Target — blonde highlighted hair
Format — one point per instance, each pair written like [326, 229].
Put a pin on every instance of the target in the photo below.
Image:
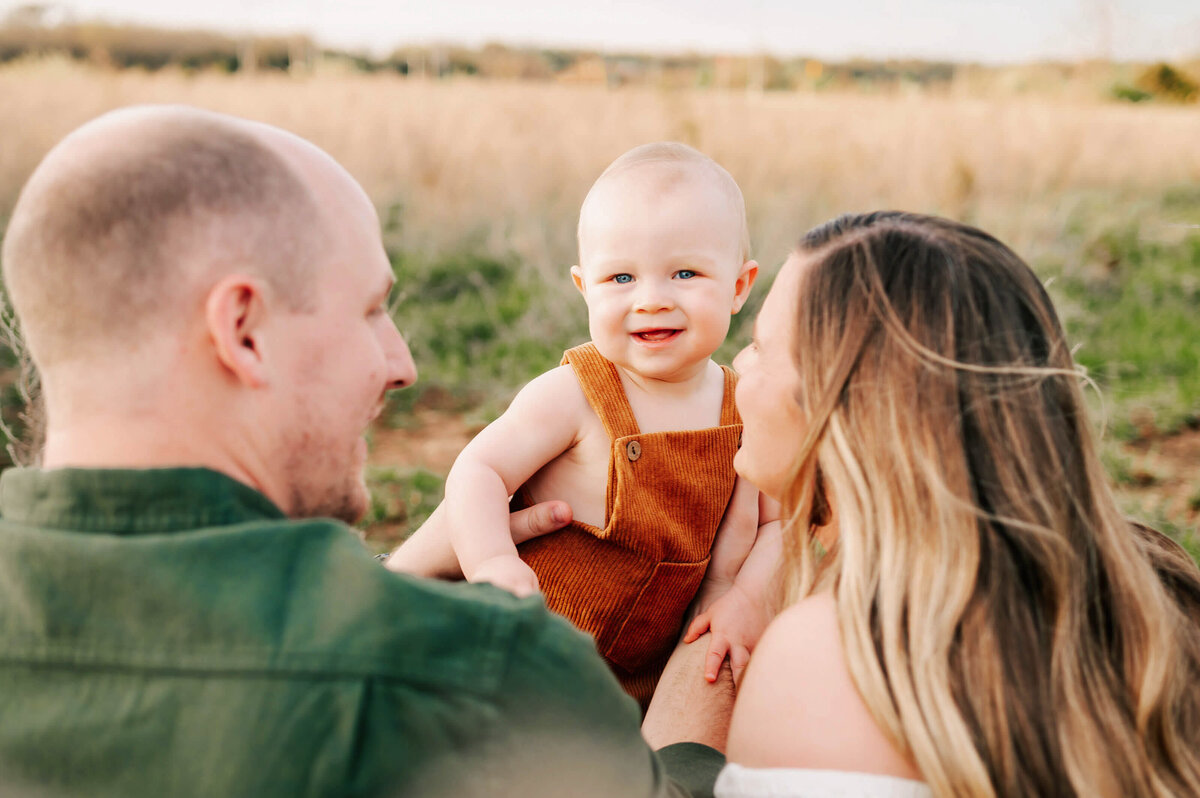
[1006, 626]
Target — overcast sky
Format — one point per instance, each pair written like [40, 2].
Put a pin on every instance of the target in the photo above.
[973, 30]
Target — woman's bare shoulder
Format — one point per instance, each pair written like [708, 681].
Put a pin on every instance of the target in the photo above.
[798, 707]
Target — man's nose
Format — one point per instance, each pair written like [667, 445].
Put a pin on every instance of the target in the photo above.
[402, 371]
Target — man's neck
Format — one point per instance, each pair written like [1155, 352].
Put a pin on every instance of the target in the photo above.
[144, 443]
[137, 419]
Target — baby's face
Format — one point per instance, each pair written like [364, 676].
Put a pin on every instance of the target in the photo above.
[661, 270]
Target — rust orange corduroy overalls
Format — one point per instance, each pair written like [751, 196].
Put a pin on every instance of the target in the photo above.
[629, 584]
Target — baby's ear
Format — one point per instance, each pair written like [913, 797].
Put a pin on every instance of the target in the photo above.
[577, 278]
[745, 280]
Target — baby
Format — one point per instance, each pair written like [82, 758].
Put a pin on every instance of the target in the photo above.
[636, 431]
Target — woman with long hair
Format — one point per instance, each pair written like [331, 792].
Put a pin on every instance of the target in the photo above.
[973, 615]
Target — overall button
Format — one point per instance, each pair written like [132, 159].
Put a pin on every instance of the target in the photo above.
[634, 450]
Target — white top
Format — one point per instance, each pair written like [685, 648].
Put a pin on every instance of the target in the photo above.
[737, 781]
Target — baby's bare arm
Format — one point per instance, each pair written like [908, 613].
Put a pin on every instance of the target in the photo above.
[735, 537]
[737, 609]
[427, 552]
[542, 422]
[756, 574]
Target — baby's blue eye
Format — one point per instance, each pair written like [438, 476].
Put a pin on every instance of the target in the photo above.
[622, 278]
[685, 274]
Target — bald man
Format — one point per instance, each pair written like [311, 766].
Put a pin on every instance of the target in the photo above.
[206, 301]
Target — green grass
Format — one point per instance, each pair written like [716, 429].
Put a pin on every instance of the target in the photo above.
[1154, 514]
[479, 325]
[401, 500]
[1131, 307]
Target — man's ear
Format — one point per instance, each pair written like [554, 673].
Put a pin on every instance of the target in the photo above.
[741, 288]
[234, 312]
[577, 278]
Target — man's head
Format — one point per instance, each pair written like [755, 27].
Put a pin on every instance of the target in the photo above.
[130, 212]
[212, 292]
[663, 259]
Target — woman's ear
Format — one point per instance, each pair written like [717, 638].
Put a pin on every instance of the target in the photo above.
[234, 313]
[821, 517]
[745, 281]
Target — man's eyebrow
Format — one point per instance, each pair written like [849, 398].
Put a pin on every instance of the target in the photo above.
[382, 293]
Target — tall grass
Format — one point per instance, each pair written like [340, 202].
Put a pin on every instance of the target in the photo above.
[506, 164]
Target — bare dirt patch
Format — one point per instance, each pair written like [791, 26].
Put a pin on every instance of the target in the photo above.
[431, 440]
[1164, 473]
[428, 442]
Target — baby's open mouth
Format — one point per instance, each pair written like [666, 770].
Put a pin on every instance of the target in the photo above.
[656, 336]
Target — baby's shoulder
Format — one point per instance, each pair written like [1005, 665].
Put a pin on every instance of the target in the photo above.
[559, 381]
[556, 391]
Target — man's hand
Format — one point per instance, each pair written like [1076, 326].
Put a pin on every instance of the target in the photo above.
[687, 708]
[737, 622]
[507, 571]
[535, 521]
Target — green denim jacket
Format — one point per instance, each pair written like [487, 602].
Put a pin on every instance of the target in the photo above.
[169, 633]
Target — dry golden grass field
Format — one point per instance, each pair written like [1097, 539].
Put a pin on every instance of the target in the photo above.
[511, 161]
[1095, 194]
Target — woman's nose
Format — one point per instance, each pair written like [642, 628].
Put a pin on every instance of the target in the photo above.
[739, 360]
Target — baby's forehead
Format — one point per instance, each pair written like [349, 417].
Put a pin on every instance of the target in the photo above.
[686, 185]
[629, 197]
[653, 177]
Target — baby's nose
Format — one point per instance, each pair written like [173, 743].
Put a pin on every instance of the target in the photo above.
[653, 295]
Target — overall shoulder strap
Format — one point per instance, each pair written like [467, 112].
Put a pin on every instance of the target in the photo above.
[729, 413]
[602, 386]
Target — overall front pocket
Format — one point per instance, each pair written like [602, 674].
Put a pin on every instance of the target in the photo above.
[652, 626]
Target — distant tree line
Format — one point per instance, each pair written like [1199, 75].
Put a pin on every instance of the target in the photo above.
[135, 47]
[1160, 82]
[32, 30]
[124, 47]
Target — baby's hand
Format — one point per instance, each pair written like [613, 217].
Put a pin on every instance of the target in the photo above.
[736, 621]
[507, 571]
